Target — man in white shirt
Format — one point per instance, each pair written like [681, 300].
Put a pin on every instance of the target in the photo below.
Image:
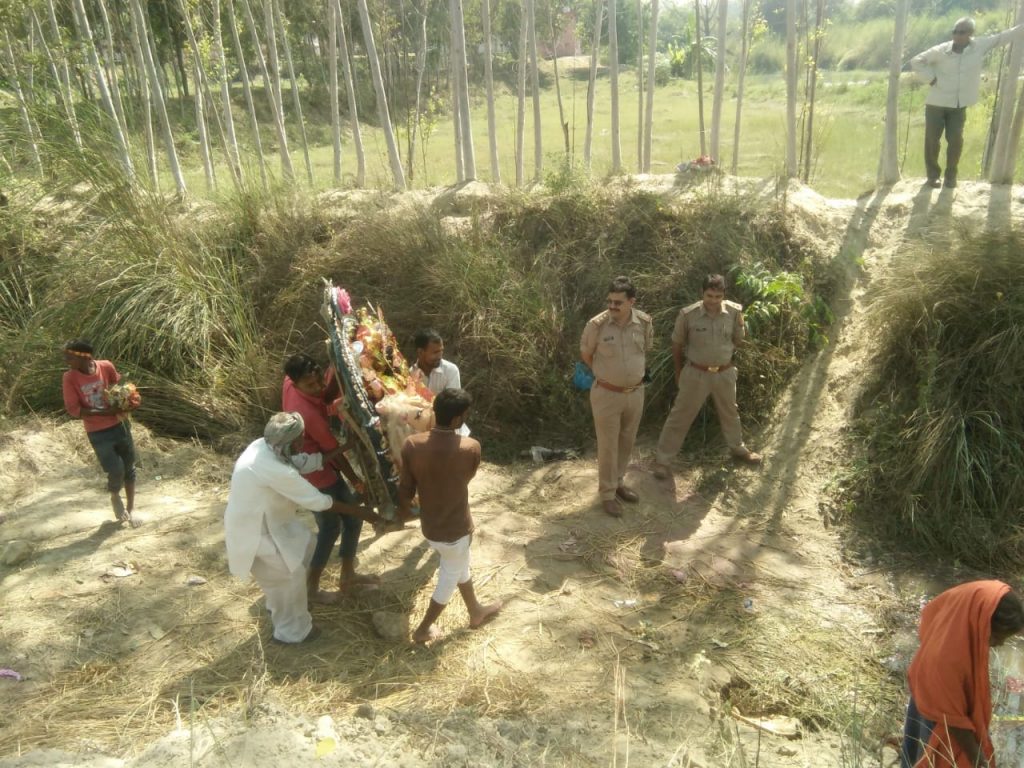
[953, 72]
[263, 535]
[438, 374]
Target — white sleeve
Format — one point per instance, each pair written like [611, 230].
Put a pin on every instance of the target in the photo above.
[454, 379]
[289, 483]
[308, 462]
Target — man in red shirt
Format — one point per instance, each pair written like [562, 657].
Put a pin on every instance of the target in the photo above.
[305, 391]
[439, 465]
[107, 428]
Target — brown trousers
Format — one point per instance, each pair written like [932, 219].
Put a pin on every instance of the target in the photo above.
[694, 387]
[616, 421]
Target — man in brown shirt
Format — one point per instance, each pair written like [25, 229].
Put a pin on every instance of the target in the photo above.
[615, 345]
[439, 465]
[705, 335]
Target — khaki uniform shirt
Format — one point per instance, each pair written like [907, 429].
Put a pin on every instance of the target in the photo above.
[707, 339]
[619, 352]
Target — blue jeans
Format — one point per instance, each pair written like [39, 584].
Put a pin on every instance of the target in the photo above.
[330, 524]
[115, 449]
[917, 730]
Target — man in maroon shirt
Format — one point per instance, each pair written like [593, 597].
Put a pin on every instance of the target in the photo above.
[305, 391]
[84, 385]
[439, 465]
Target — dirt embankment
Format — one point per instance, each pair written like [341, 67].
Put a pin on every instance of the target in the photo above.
[719, 602]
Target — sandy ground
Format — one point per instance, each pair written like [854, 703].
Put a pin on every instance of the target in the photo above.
[721, 600]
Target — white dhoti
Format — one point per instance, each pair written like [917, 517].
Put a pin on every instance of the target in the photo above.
[454, 568]
[285, 591]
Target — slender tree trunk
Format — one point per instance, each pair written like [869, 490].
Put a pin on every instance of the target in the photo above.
[791, 78]
[220, 62]
[889, 166]
[243, 70]
[26, 119]
[492, 122]
[652, 45]
[332, 87]
[462, 83]
[382, 102]
[524, 59]
[141, 40]
[273, 88]
[595, 50]
[613, 63]
[273, 63]
[145, 98]
[115, 89]
[1002, 165]
[538, 149]
[421, 66]
[740, 79]
[353, 111]
[198, 99]
[698, 59]
[121, 142]
[640, 132]
[1015, 132]
[716, 103]
[65, 75]
[456, 97]
[296, 101]
[812, 76]
[562, 122]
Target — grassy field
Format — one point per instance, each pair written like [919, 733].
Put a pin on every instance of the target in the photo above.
[848, 130]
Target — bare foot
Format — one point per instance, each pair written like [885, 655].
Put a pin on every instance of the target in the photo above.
[425, 638]
[485, 614]
[120, 514]
[132, 522]
[324, 597]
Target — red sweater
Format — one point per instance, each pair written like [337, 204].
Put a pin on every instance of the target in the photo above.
[317, 437]
[85, 390]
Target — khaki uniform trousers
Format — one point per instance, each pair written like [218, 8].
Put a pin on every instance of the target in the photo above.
[616, 421]
[285, 591]
[694, 387]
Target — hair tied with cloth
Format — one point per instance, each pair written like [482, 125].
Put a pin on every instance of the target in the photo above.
[281, 431]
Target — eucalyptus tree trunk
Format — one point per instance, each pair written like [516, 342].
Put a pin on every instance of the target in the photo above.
[716, 103]
[145, 98]
[652, 63]
[563, 124]
[698, 58]
[521, 95]
[65, 74]
[456, 97]
[1002, 163]
[740, 79]
[1015, 132]
[220, 62]
[14, 79]
[465, 125]
[613, 64]
[640, 132]
[59, 72]
[791, 77]
[120, 140]
[421, 66]
[595, 49]
[273, 88]
[115, 88]
[538, 149]
[296, 101]
[198, 95]
[382, 101]
[140, 41]
[274, 64]
[353, 111]
[332, 87]
[243, 70]
[889, 164]
[492, 122]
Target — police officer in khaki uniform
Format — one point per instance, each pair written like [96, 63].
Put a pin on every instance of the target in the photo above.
[703, 340]
[615, 345]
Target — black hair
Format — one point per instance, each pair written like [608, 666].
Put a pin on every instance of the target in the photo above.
[1008, 618]
[450, 404]
[425, 337]
[714, 283]
[622, 284]
[297, 366]
[79, 345]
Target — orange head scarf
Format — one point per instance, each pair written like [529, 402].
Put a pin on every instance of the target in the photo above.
[949, 673]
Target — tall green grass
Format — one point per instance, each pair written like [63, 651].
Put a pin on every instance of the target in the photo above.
[944, 421]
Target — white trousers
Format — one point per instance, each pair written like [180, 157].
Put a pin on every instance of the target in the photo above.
[285, 592]
[454, 568]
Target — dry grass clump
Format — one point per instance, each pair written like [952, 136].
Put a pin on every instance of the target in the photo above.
[944, 422]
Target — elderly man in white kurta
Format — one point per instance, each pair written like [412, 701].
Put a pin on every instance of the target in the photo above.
[264, 536]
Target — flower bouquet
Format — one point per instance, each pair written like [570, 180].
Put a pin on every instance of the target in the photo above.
[123, 397]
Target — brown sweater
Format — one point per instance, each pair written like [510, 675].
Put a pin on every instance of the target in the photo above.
[439, 464]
